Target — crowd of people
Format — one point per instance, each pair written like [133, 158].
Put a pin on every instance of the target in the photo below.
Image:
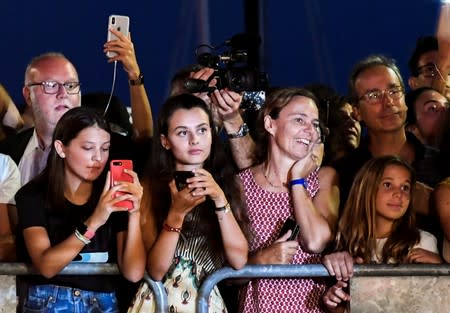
[364, 177]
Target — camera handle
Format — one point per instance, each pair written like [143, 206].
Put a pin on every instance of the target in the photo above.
[199, 85]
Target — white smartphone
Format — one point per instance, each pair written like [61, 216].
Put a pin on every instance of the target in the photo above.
[120, 23]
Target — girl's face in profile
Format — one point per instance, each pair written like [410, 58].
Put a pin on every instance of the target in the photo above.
[86, 155]
[394, 193]
[189, 138]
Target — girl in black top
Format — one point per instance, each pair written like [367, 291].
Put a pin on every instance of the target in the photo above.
[69, 213]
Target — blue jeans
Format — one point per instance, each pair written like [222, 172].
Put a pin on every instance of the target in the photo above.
[52, 298]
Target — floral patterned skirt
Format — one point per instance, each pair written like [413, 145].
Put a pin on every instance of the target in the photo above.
[181, 283]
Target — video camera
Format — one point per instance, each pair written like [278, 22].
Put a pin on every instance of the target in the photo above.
[233, 67]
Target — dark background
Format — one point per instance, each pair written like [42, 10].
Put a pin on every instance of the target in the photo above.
[303, 41]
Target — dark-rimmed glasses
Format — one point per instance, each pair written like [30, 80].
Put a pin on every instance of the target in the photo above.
[51, 87]
[376, 95]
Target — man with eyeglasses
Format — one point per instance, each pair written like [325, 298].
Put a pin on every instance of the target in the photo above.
[423, 68]
[52, 87]
[377, 95]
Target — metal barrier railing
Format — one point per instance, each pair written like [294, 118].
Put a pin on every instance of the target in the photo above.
[249, 271]
[311, 270]
[157, 287]
[71, 269]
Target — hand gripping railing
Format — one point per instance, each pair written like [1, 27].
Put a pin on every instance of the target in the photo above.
[311, 270]
[90, 269]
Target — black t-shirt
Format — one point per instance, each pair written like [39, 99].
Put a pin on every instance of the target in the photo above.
[60, 224]
[348, 166]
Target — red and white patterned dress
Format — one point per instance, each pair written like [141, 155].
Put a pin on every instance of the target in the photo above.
[267, 212]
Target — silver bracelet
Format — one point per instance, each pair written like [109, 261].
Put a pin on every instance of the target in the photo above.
[83, 239]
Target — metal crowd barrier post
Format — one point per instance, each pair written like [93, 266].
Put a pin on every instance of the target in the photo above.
[157, 287]
[311, 270]
[255, 271]
[14, 269]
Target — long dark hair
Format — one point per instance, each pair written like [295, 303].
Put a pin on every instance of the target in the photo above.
[160, 171]
[68, 128]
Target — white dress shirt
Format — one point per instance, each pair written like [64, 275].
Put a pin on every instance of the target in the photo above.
[9, 179]
[33, 161]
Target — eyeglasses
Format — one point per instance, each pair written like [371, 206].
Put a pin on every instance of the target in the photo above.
[51, 87]
[428, 70]
[376, 95]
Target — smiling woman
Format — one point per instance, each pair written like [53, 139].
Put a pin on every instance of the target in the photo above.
[287, 184]
[65, 215]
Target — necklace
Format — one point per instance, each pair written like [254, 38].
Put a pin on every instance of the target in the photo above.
[270, 183]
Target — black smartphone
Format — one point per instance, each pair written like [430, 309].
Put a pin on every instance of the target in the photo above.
[291, 224]
[180, 178]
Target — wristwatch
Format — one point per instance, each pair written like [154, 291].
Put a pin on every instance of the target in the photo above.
[243, 131]
[137, 81]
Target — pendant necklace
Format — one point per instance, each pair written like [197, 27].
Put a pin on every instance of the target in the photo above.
[270, 183]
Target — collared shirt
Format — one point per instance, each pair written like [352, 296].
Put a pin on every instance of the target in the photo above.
[9, 179]
[33, 161]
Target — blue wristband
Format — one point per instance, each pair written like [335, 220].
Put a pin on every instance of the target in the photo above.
[300, 181]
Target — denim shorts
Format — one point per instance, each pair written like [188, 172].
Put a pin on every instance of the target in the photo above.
[52, 298]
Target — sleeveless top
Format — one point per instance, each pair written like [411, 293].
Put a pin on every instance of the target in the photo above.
[267, 212]
[194, 259]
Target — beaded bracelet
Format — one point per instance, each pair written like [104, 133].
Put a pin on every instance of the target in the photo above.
[169, 228]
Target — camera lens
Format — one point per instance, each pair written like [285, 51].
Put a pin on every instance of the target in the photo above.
[113, 20]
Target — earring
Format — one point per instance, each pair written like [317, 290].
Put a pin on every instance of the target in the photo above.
[62, 155]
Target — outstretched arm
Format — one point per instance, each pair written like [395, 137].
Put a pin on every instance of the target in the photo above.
[140, 105]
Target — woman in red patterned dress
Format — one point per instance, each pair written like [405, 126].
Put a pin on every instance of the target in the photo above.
[288, 184]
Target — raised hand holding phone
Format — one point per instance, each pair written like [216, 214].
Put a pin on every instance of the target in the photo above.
[117, 175]
[120, 23]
